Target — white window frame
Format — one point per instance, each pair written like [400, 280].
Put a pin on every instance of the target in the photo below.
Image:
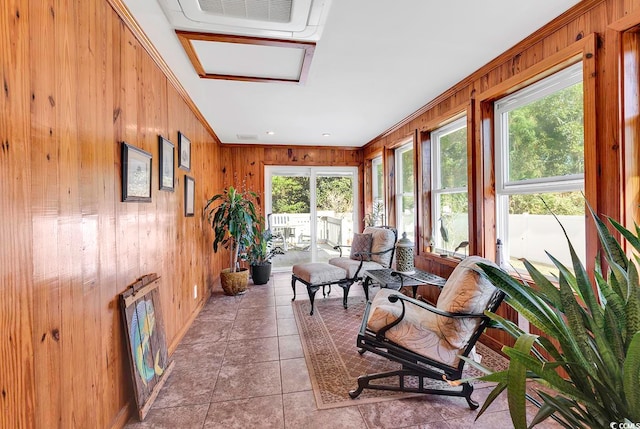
[436, 183]
[504, 187]
[375, 162]
[399, 186]
[375, 198]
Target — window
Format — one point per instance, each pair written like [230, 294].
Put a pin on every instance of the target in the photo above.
[405, 196]
[377, 191]
[540, 163]
[450, 205]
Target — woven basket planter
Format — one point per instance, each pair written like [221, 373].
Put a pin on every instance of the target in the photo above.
[234, 283]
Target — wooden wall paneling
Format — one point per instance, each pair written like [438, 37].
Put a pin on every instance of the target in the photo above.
[631, 123]
[17, 384]
[118, 367]
[128, 261]
[595, 163]
[104, 142]
[126, 214]
[98, 243]
[73, 360]
[425, 221]
[172, 272]
[45, 213]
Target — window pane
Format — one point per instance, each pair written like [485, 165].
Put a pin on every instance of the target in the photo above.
[532, 229]
[453, 222]
[407, 172]
[407, 213]
[453, 159]
[546, 137]
[379, 180]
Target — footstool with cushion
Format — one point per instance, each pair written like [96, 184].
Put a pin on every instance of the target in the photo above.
[316, 275]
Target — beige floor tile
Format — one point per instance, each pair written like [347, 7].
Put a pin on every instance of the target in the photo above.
[290, 347]
[300, 412]
[253, 350]
[263, 312]
[244, 329]
[263, 412]
[295, 376]
[191, 386]
[287, 327]
[247, 381]
[208, 331]
[284, 311]
[399, 413]
[188, 417]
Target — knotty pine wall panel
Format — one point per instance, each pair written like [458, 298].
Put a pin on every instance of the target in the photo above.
[76, 83]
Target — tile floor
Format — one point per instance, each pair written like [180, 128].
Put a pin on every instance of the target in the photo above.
[241, 365]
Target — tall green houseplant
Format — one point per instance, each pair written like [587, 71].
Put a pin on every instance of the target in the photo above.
[597, 339]
[232, 216]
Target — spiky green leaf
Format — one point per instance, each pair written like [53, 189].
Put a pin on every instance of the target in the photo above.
[631, 379]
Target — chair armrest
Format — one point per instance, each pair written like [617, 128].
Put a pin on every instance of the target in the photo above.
[432, 309]
[339, 248]
[425, 306]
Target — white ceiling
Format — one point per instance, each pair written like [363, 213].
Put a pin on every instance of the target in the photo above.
[375, 63]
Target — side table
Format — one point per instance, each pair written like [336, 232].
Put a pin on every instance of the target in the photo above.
[384, 278]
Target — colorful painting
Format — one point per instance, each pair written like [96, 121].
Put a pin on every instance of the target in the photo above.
[146, 339]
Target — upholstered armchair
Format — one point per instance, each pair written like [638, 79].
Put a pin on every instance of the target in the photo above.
[371, 250]
[428, 341]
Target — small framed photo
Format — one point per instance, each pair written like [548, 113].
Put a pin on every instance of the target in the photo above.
[167, 173]
[136, 174]
[184, 147]
[189, 195]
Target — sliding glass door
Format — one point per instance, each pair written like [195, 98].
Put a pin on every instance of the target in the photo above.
[311, 210]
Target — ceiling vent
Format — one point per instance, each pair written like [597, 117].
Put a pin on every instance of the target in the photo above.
[259, 10]
[291, 19]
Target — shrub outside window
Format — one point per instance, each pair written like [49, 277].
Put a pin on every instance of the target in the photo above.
[377, 190]
[450, 205]
[540, 170]
[405, 191]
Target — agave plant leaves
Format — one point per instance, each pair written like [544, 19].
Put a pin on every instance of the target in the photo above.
[590, 331]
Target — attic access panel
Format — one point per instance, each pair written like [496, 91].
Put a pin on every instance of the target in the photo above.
[249, 59]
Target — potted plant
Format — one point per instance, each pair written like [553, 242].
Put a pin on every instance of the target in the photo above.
[260, 253]
[591, 334]
[232, 216]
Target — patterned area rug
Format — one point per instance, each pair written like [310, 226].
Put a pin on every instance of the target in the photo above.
[329, 342]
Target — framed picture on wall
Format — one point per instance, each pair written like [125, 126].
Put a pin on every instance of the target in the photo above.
[136, 174]
[189, 195]
[184, 147]
[167, 172]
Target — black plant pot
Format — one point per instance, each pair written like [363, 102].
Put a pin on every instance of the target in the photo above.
[261, 273]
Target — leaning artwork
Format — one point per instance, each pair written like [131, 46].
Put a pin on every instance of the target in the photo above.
[146, 340]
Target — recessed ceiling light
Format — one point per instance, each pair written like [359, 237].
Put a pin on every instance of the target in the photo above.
[326, 134]
[271, 133]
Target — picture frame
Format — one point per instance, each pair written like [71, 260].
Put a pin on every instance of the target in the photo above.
[184, 151]
[136, 174]
[146, 340]
[189, 196]
[166, 166]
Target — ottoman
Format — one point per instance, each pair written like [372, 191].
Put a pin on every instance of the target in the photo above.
[315, 275]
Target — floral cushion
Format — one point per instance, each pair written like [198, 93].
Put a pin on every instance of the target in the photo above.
[382, 239]
[467, 290]
[361, 243]
[418, 331]
[351, 265]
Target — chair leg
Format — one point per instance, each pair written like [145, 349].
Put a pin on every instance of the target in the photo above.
[364, 382]
[311, 290]
[467, 390]
[345, 289]
[293, 286]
